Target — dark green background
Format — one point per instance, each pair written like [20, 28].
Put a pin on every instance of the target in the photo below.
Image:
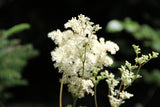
[45, 16]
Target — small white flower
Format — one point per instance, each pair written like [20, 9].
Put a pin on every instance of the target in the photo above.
[116, 102]
[125, 95]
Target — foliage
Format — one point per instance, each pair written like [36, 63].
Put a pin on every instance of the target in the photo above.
[144, 33]
[69, 105]
[13, 57]
[153, 77]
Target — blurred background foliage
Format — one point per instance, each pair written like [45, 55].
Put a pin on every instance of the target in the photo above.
[139, 21]
[149, 37]
[13, 57]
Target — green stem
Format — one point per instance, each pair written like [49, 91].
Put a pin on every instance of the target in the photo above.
[74, 101]
[61, 90]
[95, 96]
[119, 89]
[83, 70]
[136, 73]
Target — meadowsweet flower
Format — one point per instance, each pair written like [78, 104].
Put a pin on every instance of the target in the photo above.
[127, 76]
[144, 58]
[154, 54]
[87, 85]
[117, 97]
[125, 95]
[112, 83]
[114, 101]
[137, 50]
[79, 86]
[78, 51]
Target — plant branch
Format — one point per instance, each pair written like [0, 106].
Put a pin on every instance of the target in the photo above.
[119, 89]
[95, 96]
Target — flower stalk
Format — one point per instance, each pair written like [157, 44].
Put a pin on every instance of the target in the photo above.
[75, 101]
[83, 62]
[95, 96]
[61, 91]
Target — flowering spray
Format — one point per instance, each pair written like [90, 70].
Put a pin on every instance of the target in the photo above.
[80, 56]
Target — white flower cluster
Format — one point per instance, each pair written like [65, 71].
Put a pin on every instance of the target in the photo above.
[78, 51]
[78, 86]
[117, 97]
[144, 58]
[112, 83]
[126, 73]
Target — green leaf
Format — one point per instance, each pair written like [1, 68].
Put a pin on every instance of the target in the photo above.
[16, 29]
[130, 26]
